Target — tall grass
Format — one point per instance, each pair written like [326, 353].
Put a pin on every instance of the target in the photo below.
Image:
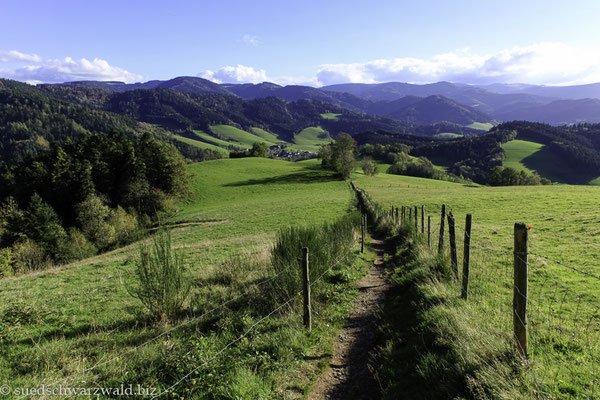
[327, 245]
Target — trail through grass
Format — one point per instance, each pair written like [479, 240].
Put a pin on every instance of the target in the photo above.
[56, 323]
[564, 221]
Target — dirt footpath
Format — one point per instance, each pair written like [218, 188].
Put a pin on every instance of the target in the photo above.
[348, 376]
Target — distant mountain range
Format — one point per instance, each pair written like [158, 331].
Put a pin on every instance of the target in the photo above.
[456, 103]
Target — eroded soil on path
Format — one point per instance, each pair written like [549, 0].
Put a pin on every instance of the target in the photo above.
[349, 375]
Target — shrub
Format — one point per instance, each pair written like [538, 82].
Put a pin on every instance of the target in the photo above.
[92, 215]
[28, 256]
[124, 224]
[77, 247]
[162, 282]
[6, 262]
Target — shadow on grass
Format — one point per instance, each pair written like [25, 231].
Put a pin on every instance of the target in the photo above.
[310, 175]
[548, 165]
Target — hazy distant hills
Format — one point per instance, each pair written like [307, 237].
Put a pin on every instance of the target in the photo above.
[418, 104]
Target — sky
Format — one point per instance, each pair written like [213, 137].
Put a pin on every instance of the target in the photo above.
[302, 42]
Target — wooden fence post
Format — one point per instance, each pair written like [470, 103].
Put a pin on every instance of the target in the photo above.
[423, 219]
[416, 221]
[520, 291]
[362, 233]
[305, 270]
[466, 259]
[429, 231]
[397, 217]
[442, 228]
[453, 253]
[402, 216]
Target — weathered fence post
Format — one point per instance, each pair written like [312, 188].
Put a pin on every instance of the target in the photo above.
[416, 221]
[520, 291]
[423, 219]
[397, 217]
[410, 215]
[442, 228]
[453, 253]
[429, 231]
[402, 215]
[305, 271]
[466, 259]
[362, 233]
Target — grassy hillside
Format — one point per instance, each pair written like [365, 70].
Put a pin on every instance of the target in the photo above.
[331, 115]
[239, 136]
[531, 156]
[202, 145]
[482, 126]
[564, 327]
[312, 138]
[57, 323]
[268, 136]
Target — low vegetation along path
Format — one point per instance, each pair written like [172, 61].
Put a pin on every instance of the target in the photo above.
[349, 375]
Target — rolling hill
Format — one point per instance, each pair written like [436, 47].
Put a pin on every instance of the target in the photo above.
[532, 157]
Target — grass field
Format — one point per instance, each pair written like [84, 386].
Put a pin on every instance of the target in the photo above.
[268, 136]
[448, 135]
[243, 138]
[482, 126]
[202, 145]
[330, 115]
[530, 156]
[564, 323]
[312, 138]
[56, 324]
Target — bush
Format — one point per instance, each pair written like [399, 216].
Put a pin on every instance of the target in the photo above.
[92, 215]
[28, 256]
[163, 285]
[77, 247]
[124, 224]
[6, 262]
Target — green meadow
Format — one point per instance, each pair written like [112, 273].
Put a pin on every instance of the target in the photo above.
[69, 324]
[532, 157]
[330, 115]
[482, 126]
[564, 315]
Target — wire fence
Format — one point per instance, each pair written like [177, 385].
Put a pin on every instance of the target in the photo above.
[562, 319]
[256, 287]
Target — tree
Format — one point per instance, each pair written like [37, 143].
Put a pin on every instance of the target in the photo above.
[369, 167]
[259, 149]
[339, 156]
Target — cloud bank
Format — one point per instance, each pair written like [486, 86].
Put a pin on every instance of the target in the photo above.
[544, 63]
[38, 70]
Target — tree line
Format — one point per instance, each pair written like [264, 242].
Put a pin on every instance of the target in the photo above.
[85, 196]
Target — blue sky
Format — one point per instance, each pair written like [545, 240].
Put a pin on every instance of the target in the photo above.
[308, 42]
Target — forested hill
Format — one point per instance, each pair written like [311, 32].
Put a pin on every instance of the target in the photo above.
[30, 120]
[180, 111]
[577, 148]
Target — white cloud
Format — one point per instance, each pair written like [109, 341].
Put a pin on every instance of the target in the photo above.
[237, 74]
[544, 63]
[245, 74]
[13, 55]
[252, 40]
[63, 70]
